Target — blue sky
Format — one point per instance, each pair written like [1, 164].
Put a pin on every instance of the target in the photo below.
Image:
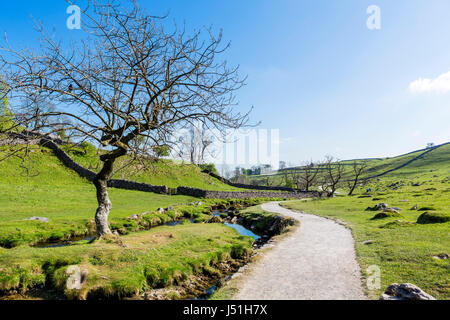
[315, 71]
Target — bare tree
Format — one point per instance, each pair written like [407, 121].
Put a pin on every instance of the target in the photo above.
[129, 77]
[269, 182]
[307, 178]
[358, 169]
[195, 145]
[332, 173]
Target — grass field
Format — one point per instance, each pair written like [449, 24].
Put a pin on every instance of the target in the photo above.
[159, 258]
[54, 192]
[162, 172]
[167, 256]
[403, 249]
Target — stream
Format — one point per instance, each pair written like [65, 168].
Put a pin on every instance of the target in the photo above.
[223, 214]
[228, 219]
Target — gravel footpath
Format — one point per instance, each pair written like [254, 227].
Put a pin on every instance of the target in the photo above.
[315, 262]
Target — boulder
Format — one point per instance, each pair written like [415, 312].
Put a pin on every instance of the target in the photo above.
[382, 206]
[37, 219]
[161, 210]
[405, 291]
[133, 217]
[415, 207]
[378, 207]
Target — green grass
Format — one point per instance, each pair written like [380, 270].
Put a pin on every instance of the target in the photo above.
[435, 163]
[162, 172]
[159, 258]
[54, 192]
[402, 248]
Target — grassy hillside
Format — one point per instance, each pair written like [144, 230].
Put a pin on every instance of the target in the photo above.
[436, 162]
[402, 245]
[52, 191]
[161, 172]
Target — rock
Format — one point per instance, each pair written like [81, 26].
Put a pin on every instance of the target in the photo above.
[405, 291]
[397, 209]
[37, 219]
[391, 210]
[215, 219]
[161, 210]
[382, 206]
[133, 217]
[199, 203]
[415, 207]
[442, 256]
[234, 220]
[368, 242]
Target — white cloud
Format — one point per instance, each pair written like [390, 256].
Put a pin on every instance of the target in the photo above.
[424, 85]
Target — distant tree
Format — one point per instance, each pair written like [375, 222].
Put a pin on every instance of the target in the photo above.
[430, 145]
[131, 76]
[307, 177]
[282, 165]
[210, 167]
[161, 151]
[332, 174]
[288, 181]
[196, 144]
[358, 169]
[6, 116]
[269, 182]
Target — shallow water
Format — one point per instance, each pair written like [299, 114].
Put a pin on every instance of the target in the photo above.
[243, 231]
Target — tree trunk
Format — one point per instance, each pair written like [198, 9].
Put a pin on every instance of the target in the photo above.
[104, 204]
[352, 189]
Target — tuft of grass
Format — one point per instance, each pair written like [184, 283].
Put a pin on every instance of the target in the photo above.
[387, 214]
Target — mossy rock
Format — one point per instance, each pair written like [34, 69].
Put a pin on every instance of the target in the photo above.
[433, 217]
[387, 214]
[428, 209]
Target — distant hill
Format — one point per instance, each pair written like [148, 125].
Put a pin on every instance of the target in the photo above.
[435, 159]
